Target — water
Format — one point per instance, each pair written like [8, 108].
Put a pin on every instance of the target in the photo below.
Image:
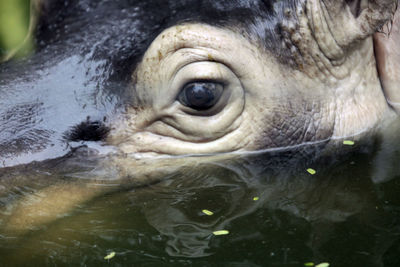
[347, 214]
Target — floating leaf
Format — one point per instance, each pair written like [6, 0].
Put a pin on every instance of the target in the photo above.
[309, 264]
[311, 171]
[348, 142]
[221, 232]
[110, 256]
[256, 198]
[208, 212]
[323, 264]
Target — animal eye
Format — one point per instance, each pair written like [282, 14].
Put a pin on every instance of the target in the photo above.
[200, 95]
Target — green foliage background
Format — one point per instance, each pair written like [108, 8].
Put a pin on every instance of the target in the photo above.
[14, 27]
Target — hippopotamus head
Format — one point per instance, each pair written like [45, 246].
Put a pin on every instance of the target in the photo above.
[198, 77]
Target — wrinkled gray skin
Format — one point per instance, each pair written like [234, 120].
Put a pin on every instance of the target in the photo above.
[336, 78]
[312, 81]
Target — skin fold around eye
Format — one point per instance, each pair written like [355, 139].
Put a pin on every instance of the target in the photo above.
[162, 117]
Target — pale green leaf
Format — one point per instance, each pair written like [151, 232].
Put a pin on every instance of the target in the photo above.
[221, 232]
[208, 212]
[311, 171]
[110, 256]
[348, 142]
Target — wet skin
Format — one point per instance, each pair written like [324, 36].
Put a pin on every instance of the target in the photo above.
[113, 82]
[196, 78]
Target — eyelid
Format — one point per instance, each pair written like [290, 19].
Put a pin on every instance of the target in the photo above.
[222, 82]
[213, 72]
[203, 71]
[185, 56]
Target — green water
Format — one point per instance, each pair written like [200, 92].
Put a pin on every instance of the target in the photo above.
[277, 214]
[347, 214]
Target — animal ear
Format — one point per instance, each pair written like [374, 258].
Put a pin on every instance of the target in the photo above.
[347, 21]
[387, 55]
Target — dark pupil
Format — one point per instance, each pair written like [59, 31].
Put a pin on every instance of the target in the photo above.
[201, 96]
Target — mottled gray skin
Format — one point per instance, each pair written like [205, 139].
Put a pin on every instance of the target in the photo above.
[107, 72]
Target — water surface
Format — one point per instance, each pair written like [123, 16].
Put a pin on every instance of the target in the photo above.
[277, 214]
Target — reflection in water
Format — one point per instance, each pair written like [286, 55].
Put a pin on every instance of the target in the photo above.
[176, 212]
[338, 215]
